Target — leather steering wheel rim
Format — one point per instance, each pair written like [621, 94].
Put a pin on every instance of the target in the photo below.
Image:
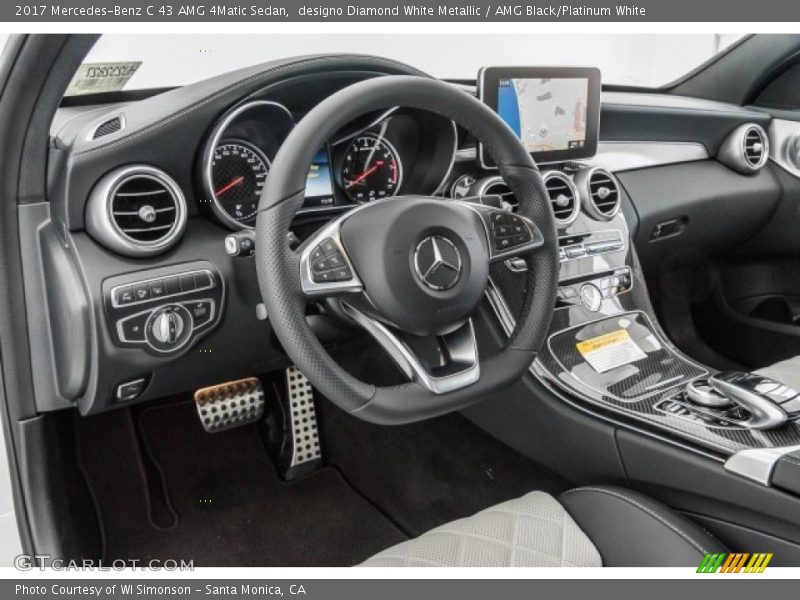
[278, 266]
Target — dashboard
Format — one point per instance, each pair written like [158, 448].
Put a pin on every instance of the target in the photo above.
[131, 263]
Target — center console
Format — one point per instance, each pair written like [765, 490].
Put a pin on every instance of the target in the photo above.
[607, 353]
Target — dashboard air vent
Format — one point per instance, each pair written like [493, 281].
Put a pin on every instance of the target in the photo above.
[746, 149]
[137, 211]
[599, 192]
[563, 197]
[755, 147]
[111, 126]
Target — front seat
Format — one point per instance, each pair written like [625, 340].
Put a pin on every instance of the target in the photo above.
[584, 527]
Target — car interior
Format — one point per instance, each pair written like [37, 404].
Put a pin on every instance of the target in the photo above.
[332, 311]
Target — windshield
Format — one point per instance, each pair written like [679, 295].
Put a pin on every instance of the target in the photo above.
[637, 60]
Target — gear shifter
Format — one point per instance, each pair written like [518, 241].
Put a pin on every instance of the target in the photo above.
[758, 395]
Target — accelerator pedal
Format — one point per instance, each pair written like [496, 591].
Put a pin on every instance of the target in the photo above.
[306, 454]
[230, 404]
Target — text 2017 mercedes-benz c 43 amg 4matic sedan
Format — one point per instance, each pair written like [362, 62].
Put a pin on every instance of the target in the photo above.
[401, 308]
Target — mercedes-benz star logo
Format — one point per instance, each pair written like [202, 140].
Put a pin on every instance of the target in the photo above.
[437, 262]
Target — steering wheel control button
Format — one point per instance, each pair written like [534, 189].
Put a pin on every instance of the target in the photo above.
[328, 263]
[437, 262]
[591, 297]
[508, 231]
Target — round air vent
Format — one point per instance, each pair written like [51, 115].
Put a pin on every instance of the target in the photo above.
[746, 149]
[136, 211]
[599, 192]
[495, 186]
[563, 197]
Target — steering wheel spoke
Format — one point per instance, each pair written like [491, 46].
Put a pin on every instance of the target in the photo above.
[508, 235]
[325, 267]
[440, 364]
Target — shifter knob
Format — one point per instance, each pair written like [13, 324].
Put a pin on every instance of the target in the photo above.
[756, 394]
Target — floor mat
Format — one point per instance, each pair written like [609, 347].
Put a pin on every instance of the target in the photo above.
[429, 473]
[232, 508]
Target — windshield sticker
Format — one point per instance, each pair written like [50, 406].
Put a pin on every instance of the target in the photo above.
[95, 78]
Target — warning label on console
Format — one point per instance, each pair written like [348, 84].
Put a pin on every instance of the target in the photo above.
[611, 350]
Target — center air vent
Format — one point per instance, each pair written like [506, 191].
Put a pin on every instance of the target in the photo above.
[755, 147]
[746, 149]
[563, 197]
[137, 211]
[599, 192]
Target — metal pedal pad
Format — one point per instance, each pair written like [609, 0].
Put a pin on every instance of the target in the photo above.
[302, 423]
[230, 404]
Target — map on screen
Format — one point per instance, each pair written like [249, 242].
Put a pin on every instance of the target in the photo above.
[547, 114]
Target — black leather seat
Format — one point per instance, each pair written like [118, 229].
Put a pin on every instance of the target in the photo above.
[584, 527]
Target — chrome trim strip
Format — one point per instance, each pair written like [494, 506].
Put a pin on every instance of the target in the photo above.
[618, 157]
[757, 464]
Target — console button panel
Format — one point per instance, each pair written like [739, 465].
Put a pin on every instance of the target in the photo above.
[164, 310]
[591, 290]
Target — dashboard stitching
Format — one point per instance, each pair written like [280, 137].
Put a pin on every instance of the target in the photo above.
[232, 88]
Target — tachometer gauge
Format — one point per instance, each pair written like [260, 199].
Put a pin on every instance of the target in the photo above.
[371, 168]
[238, 173]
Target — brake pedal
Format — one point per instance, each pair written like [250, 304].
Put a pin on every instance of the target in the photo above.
[230, 404]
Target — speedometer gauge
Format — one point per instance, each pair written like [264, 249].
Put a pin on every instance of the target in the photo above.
[371, 169]
[238, 173]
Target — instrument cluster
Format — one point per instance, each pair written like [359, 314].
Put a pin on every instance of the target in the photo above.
[397, 152]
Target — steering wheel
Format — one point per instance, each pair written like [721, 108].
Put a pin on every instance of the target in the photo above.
[410, 270]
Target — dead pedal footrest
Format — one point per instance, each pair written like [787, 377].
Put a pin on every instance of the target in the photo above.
[230, 404]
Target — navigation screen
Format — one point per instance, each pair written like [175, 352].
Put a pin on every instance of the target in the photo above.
[547, 114]
[555, 111]
[319, 184]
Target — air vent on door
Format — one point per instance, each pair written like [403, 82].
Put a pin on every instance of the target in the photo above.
[564, 197]
[599, 192]
[108, 127]
[746, 149]
[495, 186]
[136, 211]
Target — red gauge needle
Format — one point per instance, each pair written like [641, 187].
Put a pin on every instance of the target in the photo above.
[365, 174]
[229, 186]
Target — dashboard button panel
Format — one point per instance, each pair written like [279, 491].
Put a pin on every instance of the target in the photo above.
[164, 310]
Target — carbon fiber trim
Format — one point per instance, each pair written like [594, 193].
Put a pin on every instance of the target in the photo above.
[557, 363]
